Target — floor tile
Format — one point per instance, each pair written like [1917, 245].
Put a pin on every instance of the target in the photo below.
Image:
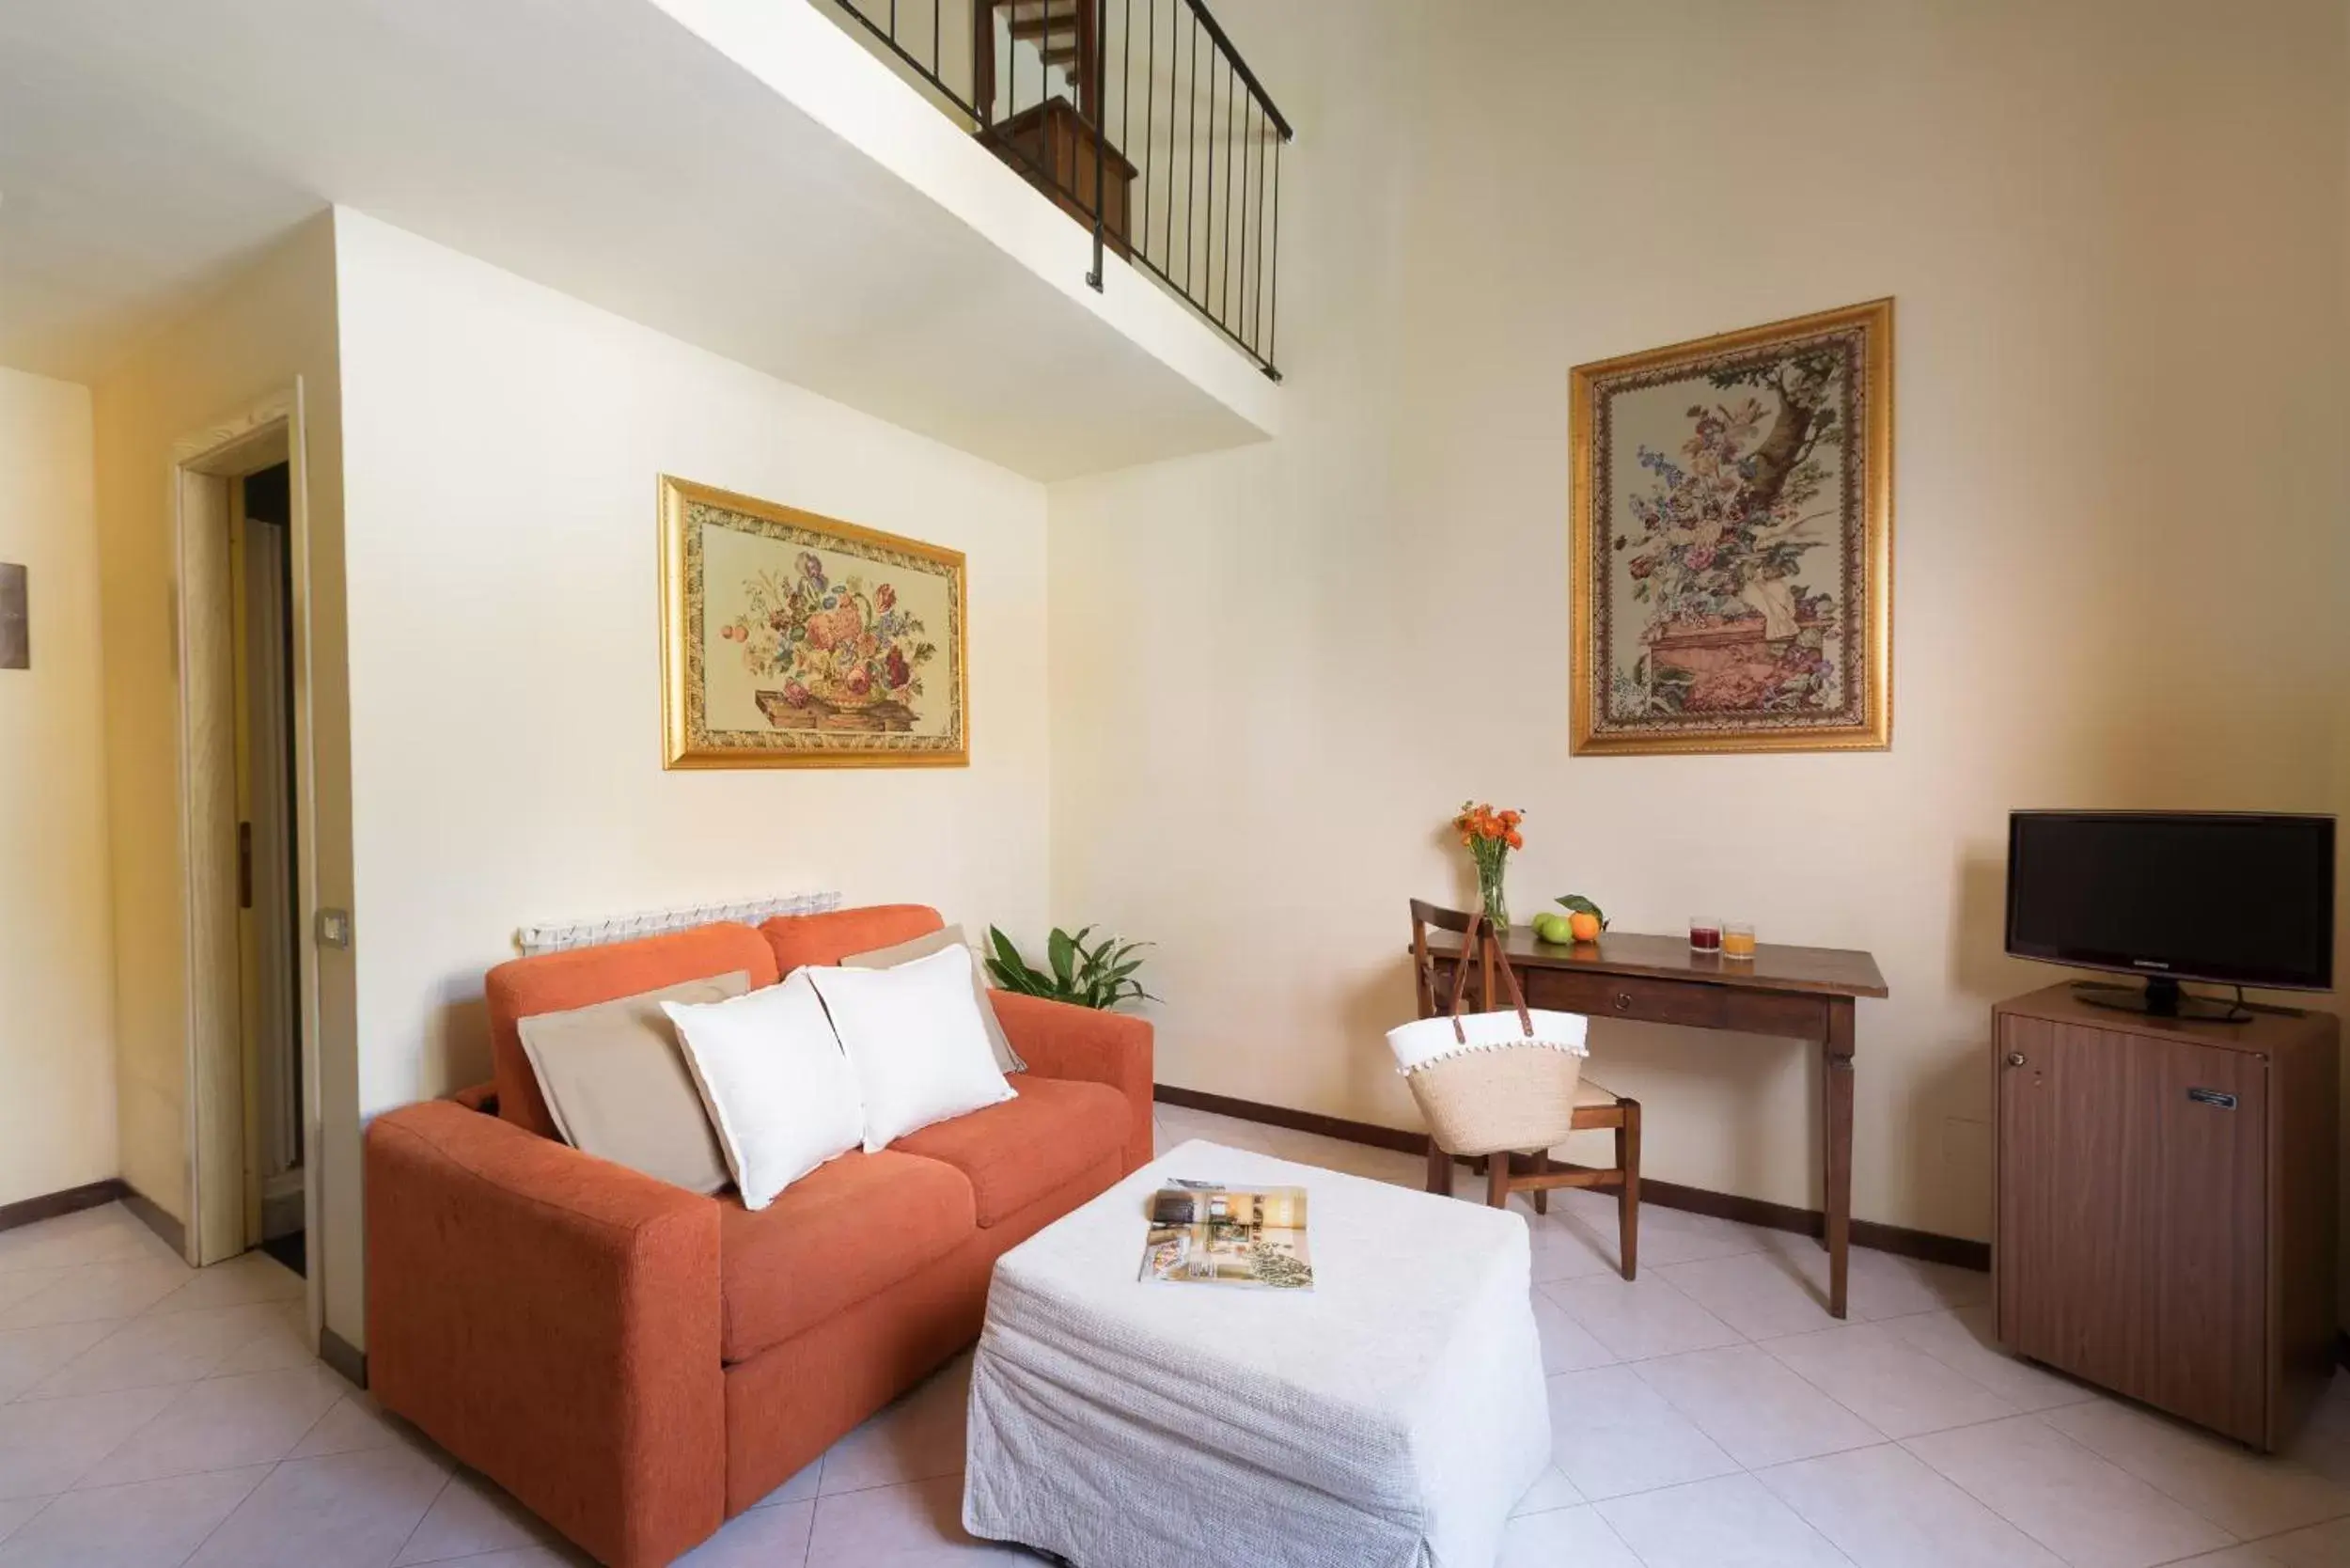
[1610, 1434]
[224, 1421]
[150, 1524]
[29, 1355]
[1551, 1489]
[473, 1515]
[2088, 1511]
[1564, 1536]
[2252, 1554]
[252, 1277]
[48, 1446]
[345, 1511]
[1759, 1412]
[1635, 1319]
[176, 1347]
[15, 1511]
[918, 1435]
[2326, 1545]
[1888, 1383]
[283, 1342]
[2242, 1492]
[102, 1235]
[1566, 1250]
[95, 1290]
[1731, 1522]
[1760, 1294]
[1884, 1508]
[798, 1489]
[906, 1526]
[1567, 1345]
[1963, 1341]
[354, 1422]
[762, 1538]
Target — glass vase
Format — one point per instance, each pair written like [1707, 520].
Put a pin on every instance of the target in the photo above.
[1493, 900]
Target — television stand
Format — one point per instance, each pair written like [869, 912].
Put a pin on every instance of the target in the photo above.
[2160, 997]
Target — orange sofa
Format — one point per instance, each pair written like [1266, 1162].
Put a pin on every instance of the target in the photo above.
[639, 1363]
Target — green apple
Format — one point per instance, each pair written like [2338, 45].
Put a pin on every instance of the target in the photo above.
[1553, 928]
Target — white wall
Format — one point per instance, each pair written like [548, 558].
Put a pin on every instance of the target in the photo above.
[2118, 251]
[56, 947]
[502, 444]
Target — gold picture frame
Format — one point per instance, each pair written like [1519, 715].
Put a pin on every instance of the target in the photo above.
[826, 644]
[1732, 537]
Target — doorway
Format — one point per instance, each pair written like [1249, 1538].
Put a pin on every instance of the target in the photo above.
[268, 948]
[246, 789]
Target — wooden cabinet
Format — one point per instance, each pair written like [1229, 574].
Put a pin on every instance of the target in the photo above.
[2165, 1206]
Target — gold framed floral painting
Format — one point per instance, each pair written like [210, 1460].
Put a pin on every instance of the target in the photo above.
[795, 640]
[1733, 540]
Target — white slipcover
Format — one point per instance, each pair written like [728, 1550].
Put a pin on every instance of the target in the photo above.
[1388, 1418]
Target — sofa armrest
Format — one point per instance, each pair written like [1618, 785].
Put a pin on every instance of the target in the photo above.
[553, 1320]
[1059, 1040]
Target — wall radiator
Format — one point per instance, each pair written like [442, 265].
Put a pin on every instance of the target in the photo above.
[557, 937]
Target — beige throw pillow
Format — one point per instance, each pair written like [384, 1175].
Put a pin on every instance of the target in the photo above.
[619, 1088]
[1006, 1059]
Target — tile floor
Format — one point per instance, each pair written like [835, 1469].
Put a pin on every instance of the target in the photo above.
[1710, 1414]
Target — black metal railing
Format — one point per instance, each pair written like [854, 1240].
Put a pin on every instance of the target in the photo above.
[1137, 117]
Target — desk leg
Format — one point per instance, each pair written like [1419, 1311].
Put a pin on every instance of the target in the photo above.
[1836, 1064]
[1439, 1170]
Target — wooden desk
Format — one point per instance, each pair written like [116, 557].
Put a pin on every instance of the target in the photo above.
[1796, 992]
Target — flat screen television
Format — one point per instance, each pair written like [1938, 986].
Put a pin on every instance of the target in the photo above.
[2222, 897]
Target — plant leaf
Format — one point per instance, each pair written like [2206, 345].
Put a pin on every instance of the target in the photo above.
[1063, 950]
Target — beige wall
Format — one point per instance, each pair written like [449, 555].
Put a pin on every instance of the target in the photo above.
[272, 325]
[503, 446]
[2118, 253]
[56, 947]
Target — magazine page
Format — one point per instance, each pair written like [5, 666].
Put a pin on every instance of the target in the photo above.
[1252, 1238]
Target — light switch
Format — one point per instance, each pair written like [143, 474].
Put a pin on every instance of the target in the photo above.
[333, 927]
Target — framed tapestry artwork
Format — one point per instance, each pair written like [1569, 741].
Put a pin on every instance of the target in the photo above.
[1733, 540]
[794, 640]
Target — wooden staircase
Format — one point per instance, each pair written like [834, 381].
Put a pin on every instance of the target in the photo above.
[1052, 143]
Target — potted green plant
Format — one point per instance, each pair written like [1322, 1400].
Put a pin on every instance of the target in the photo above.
[1098, 975]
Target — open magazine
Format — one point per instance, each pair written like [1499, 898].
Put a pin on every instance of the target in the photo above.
[1206, 1235]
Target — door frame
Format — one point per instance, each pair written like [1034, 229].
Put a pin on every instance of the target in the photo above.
[203, 464]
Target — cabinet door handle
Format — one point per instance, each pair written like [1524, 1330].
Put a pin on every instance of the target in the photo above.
[2218, 1097]
[1624, 1001]
[2015, 1059]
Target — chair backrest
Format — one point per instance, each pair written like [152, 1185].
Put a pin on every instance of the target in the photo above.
[1425, 915]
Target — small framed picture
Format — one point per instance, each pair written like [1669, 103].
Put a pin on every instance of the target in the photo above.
[16, 635]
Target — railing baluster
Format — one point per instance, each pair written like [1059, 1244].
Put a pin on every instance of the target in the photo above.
[1255, 295]
[1191, 152]
[1149, 111]
[1273, 325]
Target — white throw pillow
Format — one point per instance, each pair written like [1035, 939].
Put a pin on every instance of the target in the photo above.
[914, 1038]
[775, 1082]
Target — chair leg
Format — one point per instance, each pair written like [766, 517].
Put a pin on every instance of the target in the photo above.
[1542, 1167]
[1628, 1201]
[1498, 1179]
[1439, 1170]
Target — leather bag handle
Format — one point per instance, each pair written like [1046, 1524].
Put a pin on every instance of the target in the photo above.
[1470, 946]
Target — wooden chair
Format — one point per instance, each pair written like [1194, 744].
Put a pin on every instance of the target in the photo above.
[1595, 1108]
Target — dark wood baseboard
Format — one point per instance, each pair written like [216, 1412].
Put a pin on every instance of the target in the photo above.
[49, 1205]
[1899, 1239]
[344, 1356]
[150, 1214]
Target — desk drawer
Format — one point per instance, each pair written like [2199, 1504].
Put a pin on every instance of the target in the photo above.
[1693, 1005]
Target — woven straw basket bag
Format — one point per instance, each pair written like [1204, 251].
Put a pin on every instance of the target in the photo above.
[1493, 1081]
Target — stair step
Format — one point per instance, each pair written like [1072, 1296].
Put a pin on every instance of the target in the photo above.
[1039, 27]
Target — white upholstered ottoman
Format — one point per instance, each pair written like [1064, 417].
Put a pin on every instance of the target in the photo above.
[1388, 1418]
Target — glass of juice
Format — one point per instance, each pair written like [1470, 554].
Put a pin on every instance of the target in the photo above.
[1705, 934]
[1738, 940]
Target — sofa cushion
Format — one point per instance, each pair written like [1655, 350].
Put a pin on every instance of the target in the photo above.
[797, 940]
[1014, 1152]
[848, 1229]
[558, 983]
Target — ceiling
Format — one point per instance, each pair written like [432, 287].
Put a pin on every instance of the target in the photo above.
[595, 146]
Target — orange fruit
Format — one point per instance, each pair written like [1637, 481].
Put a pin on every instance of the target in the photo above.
[1584, 925]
